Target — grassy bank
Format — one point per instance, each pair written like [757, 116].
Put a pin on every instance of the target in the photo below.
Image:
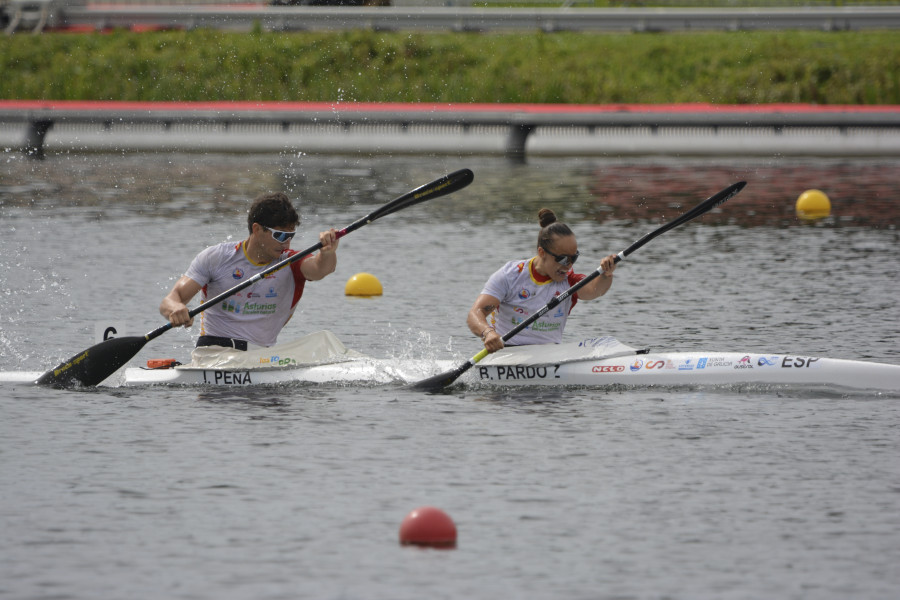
[752, 67]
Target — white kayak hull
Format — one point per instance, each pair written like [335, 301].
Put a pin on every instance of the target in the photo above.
[362, 371]
[20, 377]
[657, 369]
[699, 369]
[320, 358]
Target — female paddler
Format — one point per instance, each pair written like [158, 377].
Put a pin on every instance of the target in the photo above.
[522, 287]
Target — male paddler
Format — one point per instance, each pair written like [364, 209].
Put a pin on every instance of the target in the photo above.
[254, 316]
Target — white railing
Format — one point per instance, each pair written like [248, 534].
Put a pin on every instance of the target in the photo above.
[515, 124]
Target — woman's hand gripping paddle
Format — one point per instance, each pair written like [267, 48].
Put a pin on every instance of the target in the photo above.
[442, 380]
[98, 362]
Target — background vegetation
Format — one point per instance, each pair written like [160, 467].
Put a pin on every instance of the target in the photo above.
[360, 66]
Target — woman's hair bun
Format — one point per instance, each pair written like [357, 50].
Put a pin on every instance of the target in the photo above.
[546, 217]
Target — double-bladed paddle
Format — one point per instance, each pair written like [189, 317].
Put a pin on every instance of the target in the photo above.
[98, 362]
[442, 380]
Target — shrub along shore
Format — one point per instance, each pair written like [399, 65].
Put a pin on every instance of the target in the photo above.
[369, 66]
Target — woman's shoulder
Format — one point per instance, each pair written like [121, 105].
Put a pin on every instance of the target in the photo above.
[516, 266]
[506, 275]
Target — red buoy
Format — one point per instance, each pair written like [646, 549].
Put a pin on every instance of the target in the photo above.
[428, 526]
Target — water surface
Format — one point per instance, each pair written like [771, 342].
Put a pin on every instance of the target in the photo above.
[299, 491]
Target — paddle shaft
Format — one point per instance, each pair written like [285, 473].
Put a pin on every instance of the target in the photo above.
[446, 379]
[98, 362]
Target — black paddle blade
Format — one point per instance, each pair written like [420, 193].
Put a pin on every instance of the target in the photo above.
[447, 184]
[710, 203]
[440, 381]
[95, 364]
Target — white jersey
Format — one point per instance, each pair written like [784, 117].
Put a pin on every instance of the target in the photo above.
[522, 292]
[256, 313]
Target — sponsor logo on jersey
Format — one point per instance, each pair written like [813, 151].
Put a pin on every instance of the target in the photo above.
[544, 326]
[238, 274]
[231, 306]
[258, 308]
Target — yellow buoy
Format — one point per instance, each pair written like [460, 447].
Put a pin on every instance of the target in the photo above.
[363, 284]
[812, 205]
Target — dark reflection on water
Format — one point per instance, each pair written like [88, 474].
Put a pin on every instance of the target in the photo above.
[261, 396]
[862, 193]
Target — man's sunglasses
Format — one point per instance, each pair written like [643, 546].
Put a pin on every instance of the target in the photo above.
[280, 236]
[564, 260]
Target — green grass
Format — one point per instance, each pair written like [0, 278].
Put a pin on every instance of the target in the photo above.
[364, 66]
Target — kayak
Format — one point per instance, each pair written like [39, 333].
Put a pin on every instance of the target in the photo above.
[320, 358]
[652, 369]
[593, 362]
[699, 369]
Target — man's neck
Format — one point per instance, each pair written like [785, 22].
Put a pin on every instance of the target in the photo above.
[255, 254]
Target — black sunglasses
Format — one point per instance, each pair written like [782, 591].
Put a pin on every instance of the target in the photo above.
[564, 260]
[280, 236]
